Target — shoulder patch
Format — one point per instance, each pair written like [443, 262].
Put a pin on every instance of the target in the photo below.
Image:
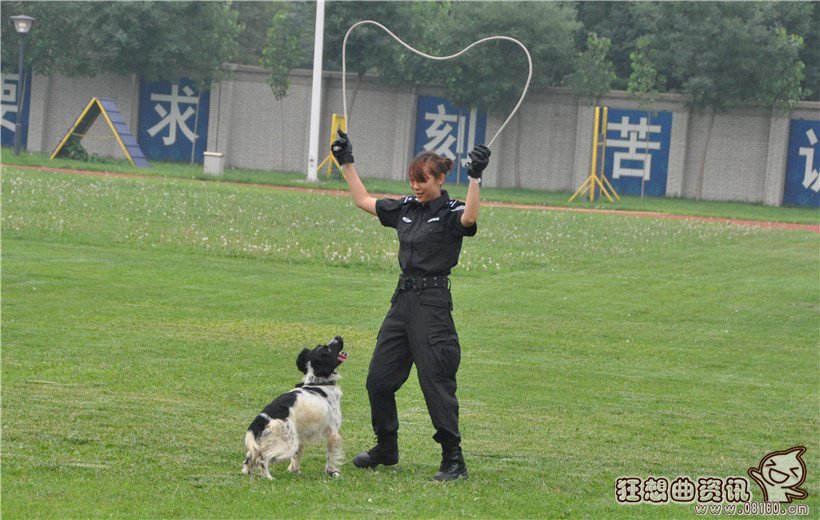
[456, 205]
[408, 200]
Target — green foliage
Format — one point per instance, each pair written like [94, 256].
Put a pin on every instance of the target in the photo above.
[282, 52]
[255, 20]
[780, 86]
[810, 55]
[613, 20]
[488, 77]
[155, 40]
[369, 49]
[74, 150]
[594, 74]
[492, 77]
[723, 54]
[645, 82]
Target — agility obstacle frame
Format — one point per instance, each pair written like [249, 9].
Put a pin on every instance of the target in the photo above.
[108, 108]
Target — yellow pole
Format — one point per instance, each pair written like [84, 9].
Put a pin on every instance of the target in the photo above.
[602, 144]
[594, 152]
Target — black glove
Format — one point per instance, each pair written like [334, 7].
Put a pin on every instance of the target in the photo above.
[479, 159]
[342, 149]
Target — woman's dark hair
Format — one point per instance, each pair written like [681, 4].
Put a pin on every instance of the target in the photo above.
[429, 163]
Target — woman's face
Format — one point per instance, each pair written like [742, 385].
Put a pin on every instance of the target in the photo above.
[428, 190]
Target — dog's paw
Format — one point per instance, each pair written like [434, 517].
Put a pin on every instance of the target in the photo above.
[333, 473]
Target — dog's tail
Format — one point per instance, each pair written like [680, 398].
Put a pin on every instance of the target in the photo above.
[253, 454]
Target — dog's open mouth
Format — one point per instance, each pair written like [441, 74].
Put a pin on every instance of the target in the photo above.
[342, 356]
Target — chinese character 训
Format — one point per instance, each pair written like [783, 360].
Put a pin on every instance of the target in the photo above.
[628, 490]
[682, 490]
[710, 489]
[811, 177]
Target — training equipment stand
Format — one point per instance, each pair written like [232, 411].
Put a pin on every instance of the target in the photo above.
[108, 108]
[337, 123]
[594, 182]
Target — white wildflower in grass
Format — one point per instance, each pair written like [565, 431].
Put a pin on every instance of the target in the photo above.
[317, 229]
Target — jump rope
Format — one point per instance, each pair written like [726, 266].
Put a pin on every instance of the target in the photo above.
[437, 58]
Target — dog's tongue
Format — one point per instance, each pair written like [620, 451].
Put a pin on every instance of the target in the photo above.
[342, 356]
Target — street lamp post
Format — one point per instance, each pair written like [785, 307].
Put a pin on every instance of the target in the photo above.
[22, 24]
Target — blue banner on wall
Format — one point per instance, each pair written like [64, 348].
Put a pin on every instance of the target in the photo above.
[803, 164]
[637, 151]
[169, 113]
[450, 131]
[8, 102]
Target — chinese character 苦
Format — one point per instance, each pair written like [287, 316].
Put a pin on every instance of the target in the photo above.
[634, 137]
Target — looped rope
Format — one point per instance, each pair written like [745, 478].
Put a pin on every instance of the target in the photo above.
[437, 58]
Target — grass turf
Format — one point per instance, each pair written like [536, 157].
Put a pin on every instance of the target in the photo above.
[735, 210]
[146, 321]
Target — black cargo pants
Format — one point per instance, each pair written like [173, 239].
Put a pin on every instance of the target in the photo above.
[418, 329]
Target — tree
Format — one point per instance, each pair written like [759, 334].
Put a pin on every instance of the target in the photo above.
[725, 54]
[371, 50]
[722, 54]
[594, 74]
[255, 19]
[616, 22]
[155, 40]
[489, 77]
[492, 76]
[645, 83]
[285, 46]
[810, 55]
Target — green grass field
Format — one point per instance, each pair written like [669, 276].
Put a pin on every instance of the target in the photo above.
[701, 208]
[145, 322]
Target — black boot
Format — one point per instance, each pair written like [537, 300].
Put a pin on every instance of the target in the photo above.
[452, 463]
[385, 452]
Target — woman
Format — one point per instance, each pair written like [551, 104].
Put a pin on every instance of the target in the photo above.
[418, 327]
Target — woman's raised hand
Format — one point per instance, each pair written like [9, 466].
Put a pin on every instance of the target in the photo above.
[479, 159]
[342, 149]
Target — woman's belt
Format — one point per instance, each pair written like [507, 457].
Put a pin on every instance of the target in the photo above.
[407, 283]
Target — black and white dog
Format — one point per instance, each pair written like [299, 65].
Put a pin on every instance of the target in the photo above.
[309, 413]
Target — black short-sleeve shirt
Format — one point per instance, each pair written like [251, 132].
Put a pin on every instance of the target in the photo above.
[430, 234]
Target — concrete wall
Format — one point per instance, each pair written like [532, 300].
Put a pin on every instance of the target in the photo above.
[546, 146]
[57, 101]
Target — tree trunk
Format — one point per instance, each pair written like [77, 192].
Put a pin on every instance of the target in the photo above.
[516, 163]
[353, 101]
[702, 170]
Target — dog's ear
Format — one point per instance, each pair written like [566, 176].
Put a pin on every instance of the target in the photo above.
[302, 360]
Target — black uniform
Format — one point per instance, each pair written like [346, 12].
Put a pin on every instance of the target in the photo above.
[419, 327]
